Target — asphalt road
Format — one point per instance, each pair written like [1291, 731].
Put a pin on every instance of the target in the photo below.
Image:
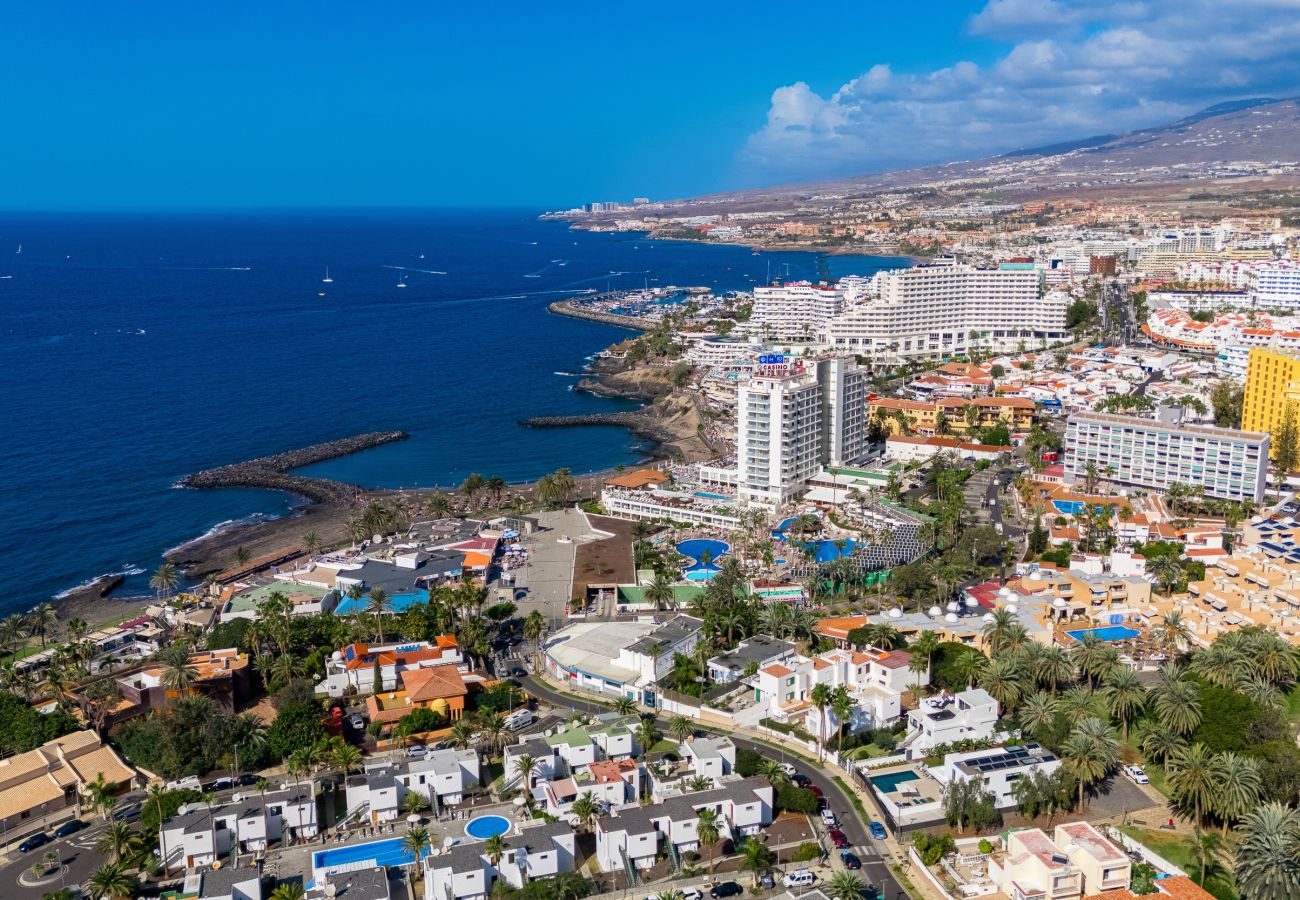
[873, 854]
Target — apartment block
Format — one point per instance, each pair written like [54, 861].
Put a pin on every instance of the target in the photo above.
[1226, 463]
[934, 312]
[1272, 382]
[794, 311]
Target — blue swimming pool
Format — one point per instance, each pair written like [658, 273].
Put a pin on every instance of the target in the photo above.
[696, 547]
[700, 574]
[827, 551]
[887, 784]
[708, 496]
[379, 853]
[1109, 633]
[484, 827]
[397, 603]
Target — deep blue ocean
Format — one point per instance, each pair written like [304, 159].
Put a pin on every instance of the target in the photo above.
[139, 348]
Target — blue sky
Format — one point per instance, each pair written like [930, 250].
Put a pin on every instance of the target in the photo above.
[143, 105]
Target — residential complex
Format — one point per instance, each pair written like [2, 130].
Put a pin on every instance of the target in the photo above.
[54, 776]
[935, 312]
[794, 311]
[1228, 464]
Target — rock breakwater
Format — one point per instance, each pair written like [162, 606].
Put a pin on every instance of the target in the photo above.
[273, 472]
[580, 311]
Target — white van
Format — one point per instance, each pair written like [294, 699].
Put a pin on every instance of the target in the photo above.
[519, 718]
[190, 783]
[800, 878]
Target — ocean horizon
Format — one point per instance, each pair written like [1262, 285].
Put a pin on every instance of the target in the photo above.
[142, 347]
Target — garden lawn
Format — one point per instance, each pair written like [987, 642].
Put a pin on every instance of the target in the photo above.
[1177, 848]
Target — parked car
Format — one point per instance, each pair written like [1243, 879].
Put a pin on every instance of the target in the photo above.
[877, 831]
[801, 779]
[828, 818]
[850, 860]
[799, 878]
[417, 751]
[788, 769]
[247, 780]
[817, 792]
[1137, 774]
[224, 783]
[692, 894]
[839, 839]
[357, 723]
[726, 889]
[72, 826]
[518, 672]
[37, 840]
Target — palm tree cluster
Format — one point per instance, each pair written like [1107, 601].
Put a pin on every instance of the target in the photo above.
[555, 488]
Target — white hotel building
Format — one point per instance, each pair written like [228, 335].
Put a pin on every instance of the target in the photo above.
[794, 311]
[930, 312]
[1228, 464]
[794, 418]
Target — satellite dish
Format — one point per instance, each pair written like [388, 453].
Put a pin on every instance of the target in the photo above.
[935, 611]
[1013, 609]
[895, 613]
[950, 617]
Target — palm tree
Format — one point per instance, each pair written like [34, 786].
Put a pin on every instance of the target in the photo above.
[118, 841]
[472, 484]
[77, 629]
[1193, 778]
[844, 886]
[311, 542]
[995, 632]
[534, 629]
[242, 556]
[347, 758]
[14, 632]
[706, 829]
[414, 802]
[754, 857]
[1266, 853]
[1078, 703]
[377, 606]
[461, 733]
[1125, 696]
[1167, 570]
[157, 793]
[496, 486]
[178, 673]
[1239, 788]
[43, 619]
[164, 580]
[1172, 633]
[680, 728]
[700, 783]
[1177, 703]
[112, 881]
[495, 847]
[969, 665]
[1037, 713]
[646, 734]
[1003, 680]
[101, 793]
[625, 706]
[660, 591]
[494, 729]
[1159, 743]
[526, 765]
[773, 772]
[820, 696]
[585, 810]
[288, 890]
[1088, 755]
[1053, 667]
[842, 705]
[416, 841]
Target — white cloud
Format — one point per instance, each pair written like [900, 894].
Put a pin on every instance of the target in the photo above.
[1078, 68]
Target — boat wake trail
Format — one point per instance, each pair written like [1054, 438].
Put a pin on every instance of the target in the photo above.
[413, 269]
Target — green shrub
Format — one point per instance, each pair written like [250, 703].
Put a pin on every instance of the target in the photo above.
[807, 851]
[791, 798]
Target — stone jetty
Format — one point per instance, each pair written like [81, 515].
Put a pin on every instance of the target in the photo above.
[273, 472]
[641, 424]
[578, 310]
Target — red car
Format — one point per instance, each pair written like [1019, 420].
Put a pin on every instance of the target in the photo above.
[817, 792]
[839, 839]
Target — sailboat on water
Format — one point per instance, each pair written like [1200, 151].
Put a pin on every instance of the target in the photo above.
[20, 250]
[327, 278]
[402, 281]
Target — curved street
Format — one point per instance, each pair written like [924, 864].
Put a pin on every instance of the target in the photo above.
[876, 856]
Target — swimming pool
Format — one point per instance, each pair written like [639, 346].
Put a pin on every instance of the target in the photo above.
[708, 496]
[484, 827]
[887, 784]
[700, 574]
[1109, 633]
[377, 853]
[396, 603]
[696, 547]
